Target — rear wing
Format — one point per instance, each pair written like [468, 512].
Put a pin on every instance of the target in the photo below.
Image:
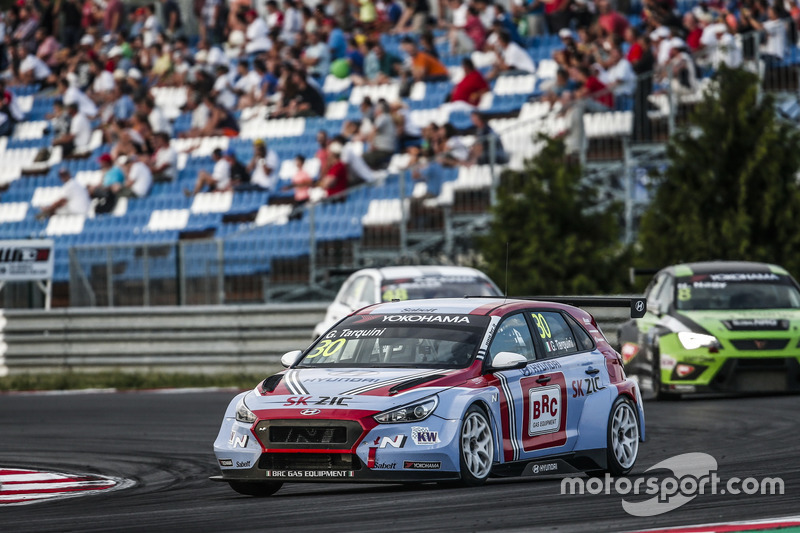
[638, 306]
[634, 272]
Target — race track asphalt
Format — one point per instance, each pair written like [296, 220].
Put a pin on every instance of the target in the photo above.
[164, 443]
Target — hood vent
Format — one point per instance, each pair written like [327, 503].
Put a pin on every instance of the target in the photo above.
[410, 384]
[270, 383]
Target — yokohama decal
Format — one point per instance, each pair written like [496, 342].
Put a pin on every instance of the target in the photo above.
[21, 487]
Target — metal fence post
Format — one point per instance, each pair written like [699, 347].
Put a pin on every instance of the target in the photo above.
[109, 277]
[673, 105]
[312, 244]
[492, 173]
[181, 268]
[146, 274]
[220, 270]
[629, 165]
[403, 221]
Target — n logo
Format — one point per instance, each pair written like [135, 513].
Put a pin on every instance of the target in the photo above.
[238, 441]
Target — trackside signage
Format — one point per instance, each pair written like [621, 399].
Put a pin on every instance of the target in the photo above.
[26, 260]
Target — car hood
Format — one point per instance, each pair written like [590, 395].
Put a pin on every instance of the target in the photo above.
[734, 323]
[363, 389]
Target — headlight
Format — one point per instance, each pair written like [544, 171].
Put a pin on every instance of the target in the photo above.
[408, 413]
[692, 341]
[243, 414]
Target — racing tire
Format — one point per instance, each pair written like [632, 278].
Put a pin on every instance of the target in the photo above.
[476, 447]
[622, 446]
[659, 394]
[259, 489]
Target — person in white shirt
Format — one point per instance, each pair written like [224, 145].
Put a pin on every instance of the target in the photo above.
[104, 84]
[138, 178]
[617, 72]
[31, 68]
[511, 58]
[264, 166]
[155, 116]
[774, 49]
[164, 164]
[248, 86]
[220, 178]
[74, 199]
[222, 89]
[71, 94]
[257, 34]
[80, 131]
[292, 21]
[460, 43]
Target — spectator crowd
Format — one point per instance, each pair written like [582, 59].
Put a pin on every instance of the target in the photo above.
[103, 58]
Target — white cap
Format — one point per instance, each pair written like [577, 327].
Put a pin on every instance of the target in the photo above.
[134, 73]
[122, 160]
[119, 74]
[677, 42]
[564, 33]
[115, 51]
[335, 148]
[87, 40]
[201, 56]
[236, 38]
[662, 32]
[72, 79]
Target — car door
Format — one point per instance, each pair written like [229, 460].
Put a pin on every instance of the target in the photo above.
[566, 374]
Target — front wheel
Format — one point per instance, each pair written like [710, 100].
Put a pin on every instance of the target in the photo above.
[259, 489]
[623, 437]
[476, 447]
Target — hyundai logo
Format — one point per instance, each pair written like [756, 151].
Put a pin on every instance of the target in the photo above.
[310, 412]
[640, 306]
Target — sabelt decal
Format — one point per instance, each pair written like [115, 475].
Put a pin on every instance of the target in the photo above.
[385, 466]
[423, 435]
[545, 412]
[309, 474]
[226, 462]
[242, 464]
[422, 465]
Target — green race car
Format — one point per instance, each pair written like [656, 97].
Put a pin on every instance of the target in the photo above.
[716, 327]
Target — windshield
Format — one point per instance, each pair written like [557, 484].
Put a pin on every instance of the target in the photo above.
[436, 287]
[399, 341]
[736, 290]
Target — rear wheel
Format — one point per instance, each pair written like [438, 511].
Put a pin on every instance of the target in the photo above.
[623, 437]
[259, 489]
[476, 448]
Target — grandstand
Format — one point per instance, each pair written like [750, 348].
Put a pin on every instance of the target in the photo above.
[247, 245]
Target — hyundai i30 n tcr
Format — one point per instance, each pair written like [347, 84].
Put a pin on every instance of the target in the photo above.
[451, 390]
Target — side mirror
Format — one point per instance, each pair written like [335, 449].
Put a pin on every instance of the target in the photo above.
[509, 361]
[290, 358]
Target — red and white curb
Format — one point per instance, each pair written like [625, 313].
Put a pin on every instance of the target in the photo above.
[769, 524]
[21, 487]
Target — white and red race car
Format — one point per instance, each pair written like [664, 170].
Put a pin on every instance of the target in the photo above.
[438, 390]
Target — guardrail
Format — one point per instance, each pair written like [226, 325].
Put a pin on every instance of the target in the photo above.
[171, 339]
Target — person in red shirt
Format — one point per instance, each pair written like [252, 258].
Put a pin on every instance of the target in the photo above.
[592, 87]
[693, 31]
[335, 181]
[471, 87]
[612, 22]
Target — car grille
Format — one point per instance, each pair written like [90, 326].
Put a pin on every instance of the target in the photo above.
[312, 434]
[308, 434]
[770, 362]
[759, 344]
[308, 461]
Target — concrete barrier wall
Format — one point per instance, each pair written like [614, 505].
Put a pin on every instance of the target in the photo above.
[171, 339]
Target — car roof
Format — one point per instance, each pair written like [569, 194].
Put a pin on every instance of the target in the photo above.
[468, 306]
[417, 271]
[712, 267]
